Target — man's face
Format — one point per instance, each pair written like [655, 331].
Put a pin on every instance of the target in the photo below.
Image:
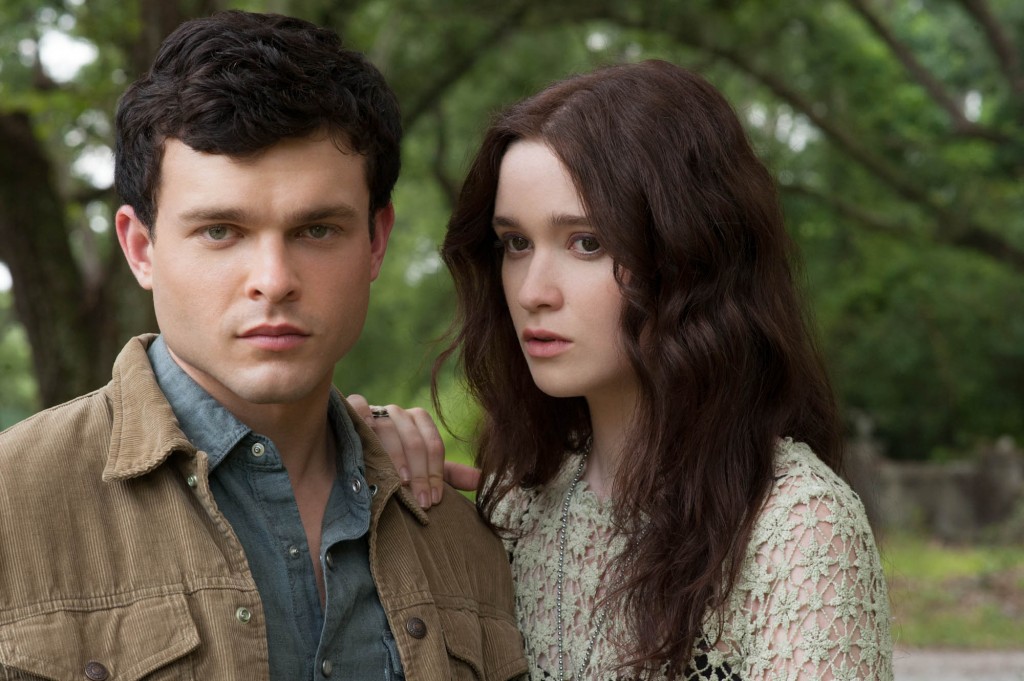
[260, 268]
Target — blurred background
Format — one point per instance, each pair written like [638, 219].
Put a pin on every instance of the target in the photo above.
[895, 129]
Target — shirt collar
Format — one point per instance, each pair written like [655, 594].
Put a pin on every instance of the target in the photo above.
[216, 431]
[145, 432]
[205, 421]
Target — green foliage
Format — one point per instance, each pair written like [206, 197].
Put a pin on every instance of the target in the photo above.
[17, 386]
[955, 597]
[886, 189]
[923, 339]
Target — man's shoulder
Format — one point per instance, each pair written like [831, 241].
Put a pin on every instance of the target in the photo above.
[76, 425]
[454, 521]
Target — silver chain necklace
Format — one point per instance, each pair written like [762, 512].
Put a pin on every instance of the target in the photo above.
[578, 675]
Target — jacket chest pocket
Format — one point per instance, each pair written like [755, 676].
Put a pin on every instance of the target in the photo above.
[482, 648]
[146, 640]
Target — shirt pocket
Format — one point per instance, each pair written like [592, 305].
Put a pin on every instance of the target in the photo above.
[481, 647]
[145, 640]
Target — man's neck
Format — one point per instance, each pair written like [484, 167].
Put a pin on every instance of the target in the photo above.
[300, 432]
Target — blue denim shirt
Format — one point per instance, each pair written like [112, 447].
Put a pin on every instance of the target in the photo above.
[349, 637]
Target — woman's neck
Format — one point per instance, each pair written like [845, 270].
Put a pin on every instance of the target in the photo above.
[610, 420]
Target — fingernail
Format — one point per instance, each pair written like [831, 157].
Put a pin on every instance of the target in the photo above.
[435, 495]
[424, 500]
[404, 474]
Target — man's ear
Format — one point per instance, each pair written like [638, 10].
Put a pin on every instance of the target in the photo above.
[383, 221]
[137, 245]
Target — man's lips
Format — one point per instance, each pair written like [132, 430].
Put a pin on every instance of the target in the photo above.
[542, 343]
[274, 336]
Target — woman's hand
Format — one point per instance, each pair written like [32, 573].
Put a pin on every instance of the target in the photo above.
[412, 440]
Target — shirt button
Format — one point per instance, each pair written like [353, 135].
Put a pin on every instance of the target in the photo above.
[326, 667]
[191, 481]
[329, 559]
[293, 551]
[416, 627]
[258, 449]
[357, 485]
[243, 615]
[95, 671]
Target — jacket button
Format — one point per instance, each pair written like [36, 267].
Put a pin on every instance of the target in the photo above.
[95, 671]
[243, 615]
[416, 627]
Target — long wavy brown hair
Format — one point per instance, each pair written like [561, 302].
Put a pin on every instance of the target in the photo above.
[712, 322]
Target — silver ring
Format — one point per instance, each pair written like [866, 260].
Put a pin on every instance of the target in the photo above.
[379, 412]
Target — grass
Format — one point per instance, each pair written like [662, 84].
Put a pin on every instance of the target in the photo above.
[964, 597]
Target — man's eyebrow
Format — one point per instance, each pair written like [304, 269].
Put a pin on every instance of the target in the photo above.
[340, 211]
[213, 214]
[243, 216]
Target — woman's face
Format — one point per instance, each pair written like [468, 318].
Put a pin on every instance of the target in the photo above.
[558, 280]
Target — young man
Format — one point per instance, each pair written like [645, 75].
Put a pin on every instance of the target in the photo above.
[217, 511]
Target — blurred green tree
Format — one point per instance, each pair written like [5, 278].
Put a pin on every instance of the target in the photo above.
[894, 128]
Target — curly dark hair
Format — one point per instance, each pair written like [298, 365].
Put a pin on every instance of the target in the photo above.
[236, 83]
[713, 324]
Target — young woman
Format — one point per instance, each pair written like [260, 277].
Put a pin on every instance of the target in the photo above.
[659, 440]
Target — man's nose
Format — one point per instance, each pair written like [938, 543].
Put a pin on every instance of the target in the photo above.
[273, 274]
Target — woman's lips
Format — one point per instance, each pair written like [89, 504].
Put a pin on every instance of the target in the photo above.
[542, 343]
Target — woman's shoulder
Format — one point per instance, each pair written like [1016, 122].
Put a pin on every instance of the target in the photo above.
[812, 558]
[523, 507]
[801, 476]
[808, 508]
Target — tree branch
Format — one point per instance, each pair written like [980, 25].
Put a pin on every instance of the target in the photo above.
[449, 186]
[870, 221]
[968, 237]
[925, 79]
[1000, 42]
[431, 94]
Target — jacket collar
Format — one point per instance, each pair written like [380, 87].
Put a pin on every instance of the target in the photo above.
[144, 431]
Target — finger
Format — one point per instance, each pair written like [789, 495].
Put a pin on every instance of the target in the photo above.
[385, 432]
[361, 406]
[434, 448]
[414, 449]
[390, 438]
[461, 476]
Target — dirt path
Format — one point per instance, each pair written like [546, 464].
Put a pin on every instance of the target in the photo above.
[950, 665]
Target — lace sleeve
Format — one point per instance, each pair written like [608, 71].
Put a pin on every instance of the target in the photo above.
[816, 600]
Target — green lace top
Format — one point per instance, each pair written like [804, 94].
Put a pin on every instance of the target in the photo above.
[810, 603]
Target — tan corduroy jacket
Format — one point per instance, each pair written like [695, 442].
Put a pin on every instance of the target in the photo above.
[116, 564]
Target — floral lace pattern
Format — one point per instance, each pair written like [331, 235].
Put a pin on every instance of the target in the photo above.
[810, 603]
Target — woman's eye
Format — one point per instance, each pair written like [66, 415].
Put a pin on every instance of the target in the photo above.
[586, 244]
[515, 243]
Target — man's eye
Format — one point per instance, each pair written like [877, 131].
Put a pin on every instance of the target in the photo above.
[318, 231]
[218, 232]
